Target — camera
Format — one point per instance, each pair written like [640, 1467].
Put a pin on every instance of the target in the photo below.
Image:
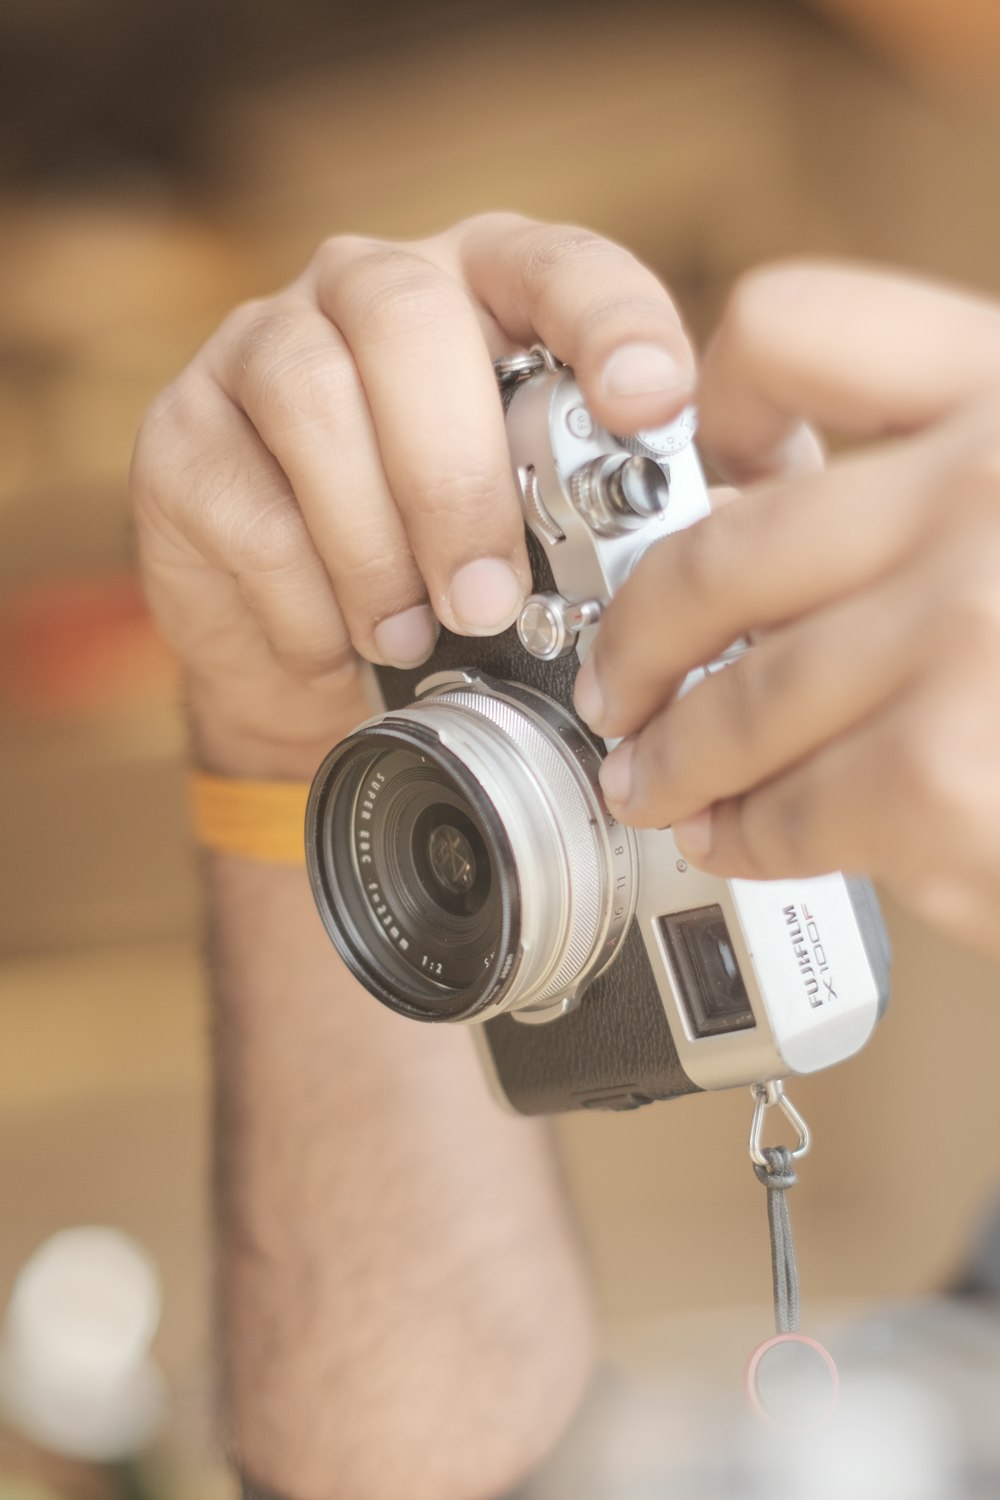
[467, 869]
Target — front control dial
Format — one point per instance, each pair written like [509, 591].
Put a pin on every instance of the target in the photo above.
[548, 624]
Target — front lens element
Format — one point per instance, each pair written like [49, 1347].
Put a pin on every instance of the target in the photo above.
[450, 857]
[425, 870]
[412, 873]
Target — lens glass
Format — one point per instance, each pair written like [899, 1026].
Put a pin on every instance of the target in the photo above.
[414, 867]
[425, 869]
[450, 860]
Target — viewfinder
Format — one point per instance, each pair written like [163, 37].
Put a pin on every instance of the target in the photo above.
[706, 972]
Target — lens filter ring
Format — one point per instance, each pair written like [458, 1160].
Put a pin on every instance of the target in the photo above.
[462, 857]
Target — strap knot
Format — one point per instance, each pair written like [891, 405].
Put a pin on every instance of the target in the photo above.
[779, 1174]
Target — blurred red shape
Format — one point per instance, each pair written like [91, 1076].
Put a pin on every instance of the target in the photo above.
[76, 647]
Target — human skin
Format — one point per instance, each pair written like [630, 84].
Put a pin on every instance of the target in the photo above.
[862, 729]
[311, 491]
[402, 1303]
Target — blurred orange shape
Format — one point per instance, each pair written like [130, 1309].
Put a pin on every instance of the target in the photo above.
[76, 647]
[951, 38]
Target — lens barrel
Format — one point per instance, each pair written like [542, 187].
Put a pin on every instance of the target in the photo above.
[462, 858]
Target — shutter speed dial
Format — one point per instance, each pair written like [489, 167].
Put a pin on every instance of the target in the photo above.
[548, 624]
[663, 442]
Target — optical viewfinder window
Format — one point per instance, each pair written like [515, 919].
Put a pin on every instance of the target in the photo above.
[707, 972]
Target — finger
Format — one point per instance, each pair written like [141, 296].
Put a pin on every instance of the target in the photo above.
[596, 307]
[291, 372]
[212, 493]
[859, 351]
[803, 685]
[890, 797]
[428, 379]
[783, 550]
[827, 813]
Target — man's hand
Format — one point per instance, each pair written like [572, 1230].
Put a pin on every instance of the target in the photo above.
[403, 1307]
[862, 730]
[330, 477]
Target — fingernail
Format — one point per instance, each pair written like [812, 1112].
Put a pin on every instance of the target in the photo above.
[693, 835]
[406, 639]
[644, 370]
[587, 696]
[616, 773]
[485, 596]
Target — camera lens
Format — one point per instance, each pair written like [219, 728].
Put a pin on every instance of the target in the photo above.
[461, 858]
[412, 868]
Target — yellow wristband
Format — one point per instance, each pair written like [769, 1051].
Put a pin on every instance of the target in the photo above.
[255, 819]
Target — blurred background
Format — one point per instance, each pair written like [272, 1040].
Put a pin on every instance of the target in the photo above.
[160, 162]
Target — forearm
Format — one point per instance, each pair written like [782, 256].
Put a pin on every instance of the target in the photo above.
[404, 1312]
[403, 1308]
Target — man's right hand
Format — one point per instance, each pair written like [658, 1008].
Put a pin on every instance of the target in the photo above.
[329, 478]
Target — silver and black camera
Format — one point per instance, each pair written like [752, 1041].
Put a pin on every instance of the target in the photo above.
[467, 869]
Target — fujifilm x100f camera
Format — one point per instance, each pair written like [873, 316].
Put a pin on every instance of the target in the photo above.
[467, 869]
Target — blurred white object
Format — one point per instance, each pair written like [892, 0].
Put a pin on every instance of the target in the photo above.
[892, 1439]
[75, 1369]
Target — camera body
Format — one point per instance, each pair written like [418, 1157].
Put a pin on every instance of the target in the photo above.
[467, 868]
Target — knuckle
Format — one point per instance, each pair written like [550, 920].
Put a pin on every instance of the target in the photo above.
[741, 689]
[463, 492]
[494, 225]
[939, 899]
[305, 661]
[269, 541]
[388, 289]
[656, 762]
[775, 827]
[303, 391]
[163, 450]
[549, 249]
[243, 321]
[607, 319]
[699, 560]
[924, 782]
[259, 340]
[287, 380]
[339, 250]
[262, 335]
[968, 627]
[761, 295]
[975, 485]
[379, 583]
[148, 444]
[745, 314]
